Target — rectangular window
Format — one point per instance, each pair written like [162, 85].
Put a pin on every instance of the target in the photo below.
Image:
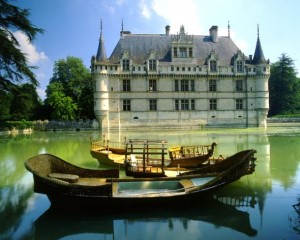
[125, 63]
[152, 85]
[213, 66]
[175, 52]
[192, 104]
[184, 85]
[182, 53]
[126, 85]
[152, 65]
[126, 105]
[192, 84]
[184, 104]
[239, 85]
[172, 69]
[176, 83]
[212, 85]
[152, 104]
[239, 104]
[213, 104]
[190, 52]
[177, 104]
[239, 66]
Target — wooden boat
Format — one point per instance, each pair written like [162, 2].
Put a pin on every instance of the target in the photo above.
[69, 186]
[108, 153]
[190, 156]
[147, 159]
[112, 154]
[212, 210]
[222, 164]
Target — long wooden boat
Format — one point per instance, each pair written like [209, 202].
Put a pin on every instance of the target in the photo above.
[147, 159]
[113, 154]
[190, 156]
[215, 211]
[70, 186]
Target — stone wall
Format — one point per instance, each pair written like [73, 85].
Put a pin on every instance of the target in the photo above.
[66, 125]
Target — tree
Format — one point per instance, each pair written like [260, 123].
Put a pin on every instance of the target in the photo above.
[14, 66]
[284, 87]
[5, 102]
[25, 102]
[74, 80]
[63, 107]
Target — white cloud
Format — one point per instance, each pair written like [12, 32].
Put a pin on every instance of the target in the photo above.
[177, 13]
[41, 92]
[32, 54]
[146, 12]
[109, 8]
[190, 13]
[120, 2]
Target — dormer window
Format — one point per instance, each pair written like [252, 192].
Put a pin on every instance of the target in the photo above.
[125, 64]
[239, 66]
[175, 51]
[190, 52]
[182, 52]
[213, 66]
[152, 65]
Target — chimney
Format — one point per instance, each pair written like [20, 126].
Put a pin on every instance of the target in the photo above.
[213, 31]
[250, 57]
[167, 30]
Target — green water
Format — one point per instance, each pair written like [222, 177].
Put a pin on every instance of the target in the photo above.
[259, 206]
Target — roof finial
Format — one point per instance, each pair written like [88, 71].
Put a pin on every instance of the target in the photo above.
[122, 25]
[257, 30]
[101, 26]
[228, 29]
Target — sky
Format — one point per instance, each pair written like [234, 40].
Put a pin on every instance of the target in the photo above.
[72, 27]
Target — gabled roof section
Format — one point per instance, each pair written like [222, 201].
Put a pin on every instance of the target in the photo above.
[101, 52]
[141, 45]
[259, 57]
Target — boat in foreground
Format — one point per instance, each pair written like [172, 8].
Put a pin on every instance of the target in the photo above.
[73, 187]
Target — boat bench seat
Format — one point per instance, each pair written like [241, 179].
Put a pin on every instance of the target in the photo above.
[187, 184]
[92, 181]
[70, 178]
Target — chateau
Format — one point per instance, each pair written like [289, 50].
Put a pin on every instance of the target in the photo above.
[181, 80]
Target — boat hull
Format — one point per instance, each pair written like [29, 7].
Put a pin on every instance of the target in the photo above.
[75, 188]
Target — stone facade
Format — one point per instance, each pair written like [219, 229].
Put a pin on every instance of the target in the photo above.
[163, 80]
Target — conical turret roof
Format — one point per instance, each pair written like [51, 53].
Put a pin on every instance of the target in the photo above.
[101, 52]
[259, 57]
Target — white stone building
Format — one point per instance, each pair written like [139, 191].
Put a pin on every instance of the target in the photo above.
[164, 80]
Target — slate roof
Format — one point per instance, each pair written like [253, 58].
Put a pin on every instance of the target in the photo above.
[101, 52]
[139, 46]
[259, 57]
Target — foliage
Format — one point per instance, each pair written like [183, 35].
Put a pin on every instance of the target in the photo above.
[25, 102]
[5, 102]
[63, 106]
[14, 66]
[21, 102]
[23, 124]
[284, 87]
[71, 79]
